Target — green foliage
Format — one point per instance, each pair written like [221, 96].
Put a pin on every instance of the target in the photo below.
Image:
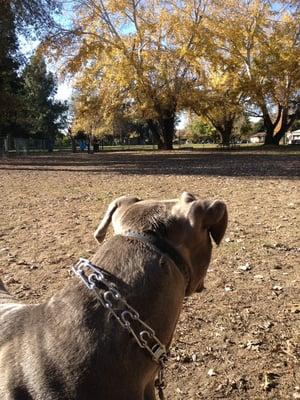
[296, 125]
[198, 130]
[44, 115]
[22, 109]
[35, 17]
[246, 128]
[258, 126]
[62, 141]
[10, 84]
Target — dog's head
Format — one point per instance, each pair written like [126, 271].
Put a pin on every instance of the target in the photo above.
[187, 223]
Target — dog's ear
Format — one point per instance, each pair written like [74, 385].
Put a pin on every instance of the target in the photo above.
[100, 232]
[216, 219]
[187, 197]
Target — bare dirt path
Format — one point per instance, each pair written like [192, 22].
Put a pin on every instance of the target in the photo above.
[239, 339]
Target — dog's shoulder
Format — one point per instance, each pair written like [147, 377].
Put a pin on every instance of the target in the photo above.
[12, 316]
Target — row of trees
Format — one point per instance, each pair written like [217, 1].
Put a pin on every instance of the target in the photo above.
[27, 90]
[200, 129]
[151, 59]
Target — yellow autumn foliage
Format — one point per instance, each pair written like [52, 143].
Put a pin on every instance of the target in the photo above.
[154, 58]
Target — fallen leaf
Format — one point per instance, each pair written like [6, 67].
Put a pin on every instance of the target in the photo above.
[277, 288]
[292, 349]
[211, 372]
[253, 344]
[270, 380]
[246, 267]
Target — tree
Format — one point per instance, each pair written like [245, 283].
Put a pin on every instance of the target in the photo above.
[10, 84]
[121, 123]
[199, 129]
[44, 115]
[264, 38]
[132, 52]
[34, 17]
[246, 127]
[216, 92]
[296, 125]
[258, 126]
[17, 16]
[219, 100]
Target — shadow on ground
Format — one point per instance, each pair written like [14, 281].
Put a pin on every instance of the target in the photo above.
[249, 164]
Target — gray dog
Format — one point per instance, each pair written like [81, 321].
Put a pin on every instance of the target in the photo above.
[83, 344]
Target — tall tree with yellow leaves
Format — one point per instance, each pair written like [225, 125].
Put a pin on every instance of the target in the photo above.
[264, 38]
[219, 100]
[153, 58]
[217, 93]
[131, 54]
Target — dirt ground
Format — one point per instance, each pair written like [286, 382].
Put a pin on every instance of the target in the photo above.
[240, 338]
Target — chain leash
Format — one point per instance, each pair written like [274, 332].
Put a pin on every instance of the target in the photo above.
[112, 300]
[160, 382]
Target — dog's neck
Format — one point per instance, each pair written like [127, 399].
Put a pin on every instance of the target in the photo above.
[165, 248]
[144, 278]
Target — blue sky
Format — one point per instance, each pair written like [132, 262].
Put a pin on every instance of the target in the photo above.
[64, 91]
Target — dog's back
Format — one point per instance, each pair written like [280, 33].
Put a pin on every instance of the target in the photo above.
[25, 371]
[9, 308]
[71, 347]
[8, 305]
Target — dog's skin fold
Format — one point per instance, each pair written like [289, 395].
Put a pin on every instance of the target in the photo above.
[70, 347]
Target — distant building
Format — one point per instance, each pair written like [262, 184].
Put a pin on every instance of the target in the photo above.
[293, 137]
[180, 136]
[258, 137]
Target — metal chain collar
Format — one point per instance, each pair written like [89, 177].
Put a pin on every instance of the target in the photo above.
[112, 300]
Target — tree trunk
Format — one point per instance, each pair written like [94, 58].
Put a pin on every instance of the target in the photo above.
[154, 128]
[225, 136]
[224, 127]
[73, 142]
[274, 140]
[283, 120]
[225, 133]
[271, 139]
[2, 147]
[167, 126]
[163, 131]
